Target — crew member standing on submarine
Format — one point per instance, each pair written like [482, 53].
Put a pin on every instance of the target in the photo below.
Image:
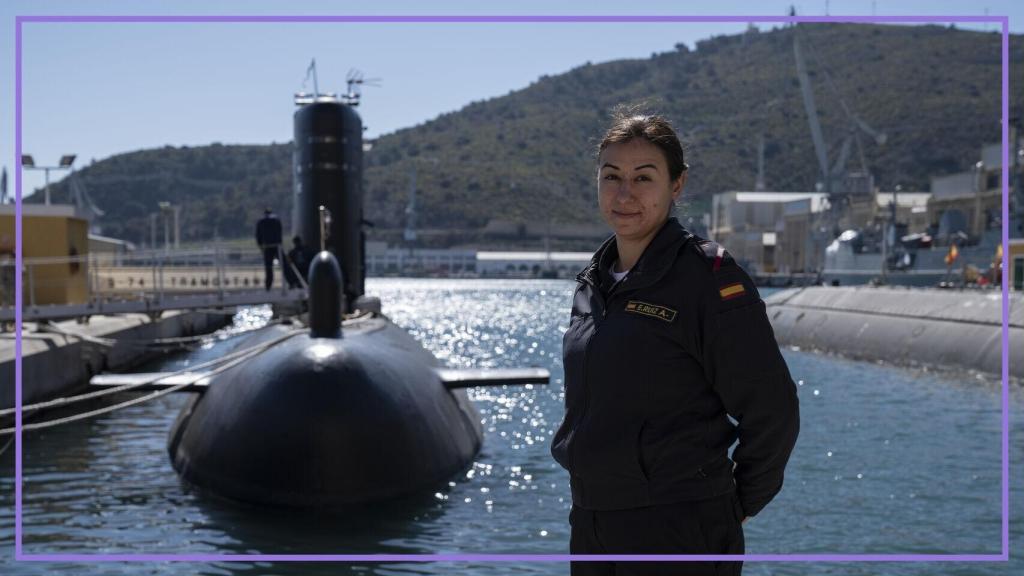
[296, 269]
[268, 237]
[668, 338]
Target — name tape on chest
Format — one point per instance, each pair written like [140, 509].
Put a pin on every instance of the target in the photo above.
[652, 310]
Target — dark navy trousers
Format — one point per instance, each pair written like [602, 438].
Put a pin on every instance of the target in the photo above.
[711, 526]
[269, 254]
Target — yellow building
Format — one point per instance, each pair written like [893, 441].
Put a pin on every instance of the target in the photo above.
[55, 255]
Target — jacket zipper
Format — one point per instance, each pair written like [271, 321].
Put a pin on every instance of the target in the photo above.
[586, 355]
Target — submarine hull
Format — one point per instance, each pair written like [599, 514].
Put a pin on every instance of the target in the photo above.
[327, 422]
[905, 326]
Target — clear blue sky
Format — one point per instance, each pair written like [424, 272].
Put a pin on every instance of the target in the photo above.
[100, 89]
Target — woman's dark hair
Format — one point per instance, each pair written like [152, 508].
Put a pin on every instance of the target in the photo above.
[632, 121]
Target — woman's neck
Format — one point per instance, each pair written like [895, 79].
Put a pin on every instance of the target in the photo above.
[630, 250]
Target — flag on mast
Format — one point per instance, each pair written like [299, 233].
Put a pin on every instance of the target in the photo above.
[952, 255]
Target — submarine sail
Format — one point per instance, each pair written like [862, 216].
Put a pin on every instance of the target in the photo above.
[327, 164]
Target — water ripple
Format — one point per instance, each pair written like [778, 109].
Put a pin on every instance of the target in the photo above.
[890, 460]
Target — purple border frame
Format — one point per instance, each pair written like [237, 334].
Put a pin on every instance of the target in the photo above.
[1004, 556]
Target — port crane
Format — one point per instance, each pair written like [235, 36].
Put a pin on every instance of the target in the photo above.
[834, 178]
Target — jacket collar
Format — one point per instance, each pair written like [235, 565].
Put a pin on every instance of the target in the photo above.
[655, 261]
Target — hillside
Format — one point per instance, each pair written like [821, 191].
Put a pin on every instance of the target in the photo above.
[527, 155]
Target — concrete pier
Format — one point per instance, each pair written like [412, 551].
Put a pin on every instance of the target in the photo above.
[55, 364]
[905, 326]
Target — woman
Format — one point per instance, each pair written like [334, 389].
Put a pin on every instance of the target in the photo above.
[668, 338]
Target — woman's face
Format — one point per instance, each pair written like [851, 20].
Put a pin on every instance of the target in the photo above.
[634, 190]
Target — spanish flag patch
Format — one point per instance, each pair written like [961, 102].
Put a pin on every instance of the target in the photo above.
[730, 291]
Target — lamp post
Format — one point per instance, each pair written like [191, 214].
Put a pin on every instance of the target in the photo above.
[65, 164]
[978, 226]
[165, 211]
[177, 226]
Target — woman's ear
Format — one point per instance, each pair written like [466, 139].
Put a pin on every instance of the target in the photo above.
[677, 186]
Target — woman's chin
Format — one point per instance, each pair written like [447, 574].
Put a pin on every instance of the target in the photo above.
[629, 228]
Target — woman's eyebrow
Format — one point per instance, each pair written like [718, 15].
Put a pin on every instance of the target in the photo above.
[640, 167]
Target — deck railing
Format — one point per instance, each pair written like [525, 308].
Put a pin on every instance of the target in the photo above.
[65, 284]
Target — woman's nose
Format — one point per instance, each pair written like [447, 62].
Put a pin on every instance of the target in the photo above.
[624, 191]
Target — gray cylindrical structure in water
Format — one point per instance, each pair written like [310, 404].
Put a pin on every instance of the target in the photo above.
[327, 164]
[905, 326]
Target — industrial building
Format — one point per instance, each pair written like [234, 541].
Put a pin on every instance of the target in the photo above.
[382, 260]
[969, 201]
[752, 226]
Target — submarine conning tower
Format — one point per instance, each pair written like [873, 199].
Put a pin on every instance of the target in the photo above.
[327, 164]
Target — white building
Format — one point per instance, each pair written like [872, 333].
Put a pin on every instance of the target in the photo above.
[518, 264]
[752, 226]
[382, 260]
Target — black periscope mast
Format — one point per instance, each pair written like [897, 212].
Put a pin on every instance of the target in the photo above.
[350, 409]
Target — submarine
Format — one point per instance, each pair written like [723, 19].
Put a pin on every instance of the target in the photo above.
[345, 408]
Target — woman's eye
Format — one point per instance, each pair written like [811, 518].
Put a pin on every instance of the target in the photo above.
[642, 179]
[611, 177]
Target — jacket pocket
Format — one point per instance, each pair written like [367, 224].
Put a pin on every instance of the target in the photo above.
[716, 468]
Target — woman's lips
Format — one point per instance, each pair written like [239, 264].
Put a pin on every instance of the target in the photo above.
[625, 214]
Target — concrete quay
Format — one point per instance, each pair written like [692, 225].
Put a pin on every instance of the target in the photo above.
[55, 364]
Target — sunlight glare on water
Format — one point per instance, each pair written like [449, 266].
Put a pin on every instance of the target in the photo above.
[889, 460]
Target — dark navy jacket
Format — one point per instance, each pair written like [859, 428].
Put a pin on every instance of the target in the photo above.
[268, 231]
[653, 366]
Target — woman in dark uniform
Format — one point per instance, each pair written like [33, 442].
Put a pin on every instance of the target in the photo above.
[668, 339]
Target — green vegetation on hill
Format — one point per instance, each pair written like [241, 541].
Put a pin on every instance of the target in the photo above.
[528, 155]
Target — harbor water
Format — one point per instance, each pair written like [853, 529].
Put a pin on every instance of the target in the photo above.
[889, 461]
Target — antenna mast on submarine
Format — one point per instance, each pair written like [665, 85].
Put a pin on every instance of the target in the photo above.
[302, 98]
[354, 80]
[311, 71]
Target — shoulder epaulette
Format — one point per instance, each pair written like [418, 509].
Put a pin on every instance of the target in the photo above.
[714, 254]
[735, 288]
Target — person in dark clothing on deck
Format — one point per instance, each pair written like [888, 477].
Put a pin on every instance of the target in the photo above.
[297, 265]
[268, 237]
[668, 338]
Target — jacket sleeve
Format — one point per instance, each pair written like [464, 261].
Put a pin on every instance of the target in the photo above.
[275, 233]
[743, 363]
